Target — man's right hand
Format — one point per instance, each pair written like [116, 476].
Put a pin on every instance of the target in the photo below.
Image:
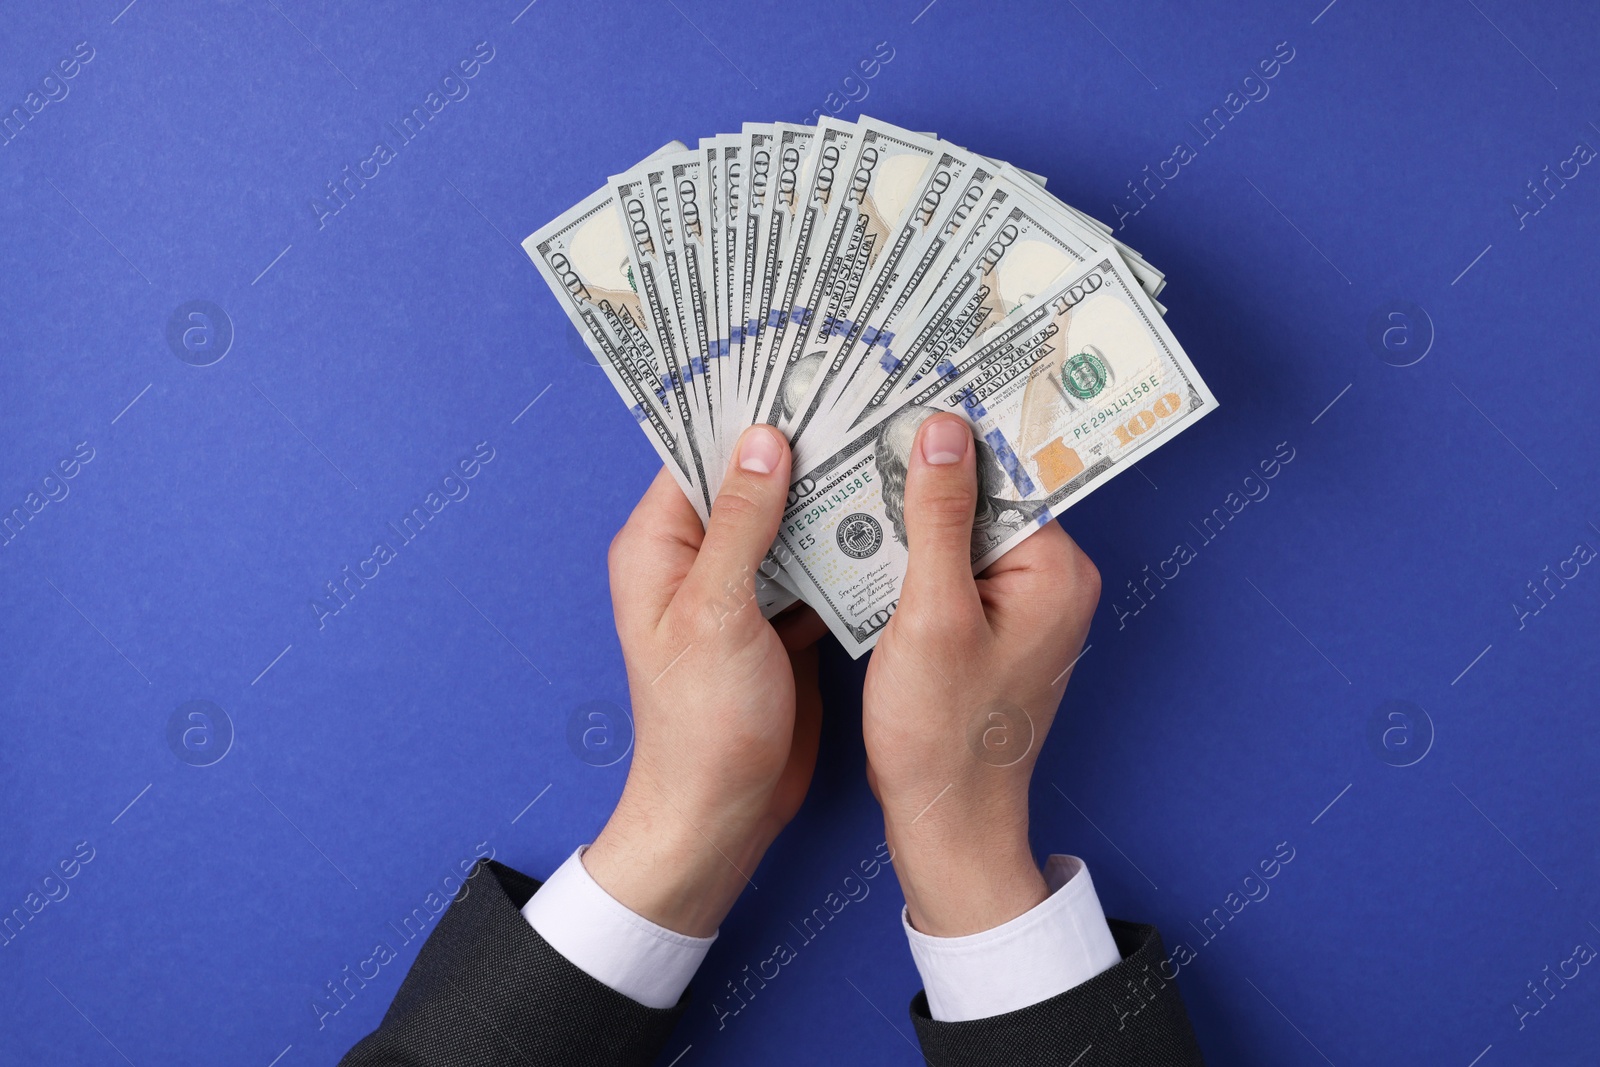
[962, 688]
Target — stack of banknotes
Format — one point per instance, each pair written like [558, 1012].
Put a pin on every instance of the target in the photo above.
[842, 282]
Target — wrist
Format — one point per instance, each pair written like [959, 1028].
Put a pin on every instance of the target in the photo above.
[959, 884]
[665, 868]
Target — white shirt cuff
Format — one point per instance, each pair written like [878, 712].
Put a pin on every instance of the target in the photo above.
[1060, 943]
[611, 943]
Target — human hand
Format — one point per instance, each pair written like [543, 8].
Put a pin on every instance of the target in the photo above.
[962, 688]
[725, 704]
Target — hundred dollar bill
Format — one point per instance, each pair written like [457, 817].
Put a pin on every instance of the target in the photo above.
[1038, 179]
[656, 272]
[818, 237]
[792, 167]
[583, 257]
[976, 233]
[1149, 277]
[1152, 279]
[956, 218]
[1082, 382]
[708, 223]
[1090, 229]
[671, 180]
[1022, 241]
[712, 194]
[1022, 248]
[871, 292]
[661, 269]
[755, 190]
[694, 186]
[726, 211]
[881, 183]
[954, 186]
[687, 224]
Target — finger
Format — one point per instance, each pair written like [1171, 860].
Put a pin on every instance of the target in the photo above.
[744, 520]
[1042, 582]
[1022, 583]
[799, 627]
[941, 498]
[1041, 550]
[795, 779]
[653, 552]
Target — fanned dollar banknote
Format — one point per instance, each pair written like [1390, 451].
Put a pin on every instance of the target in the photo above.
[843, 282]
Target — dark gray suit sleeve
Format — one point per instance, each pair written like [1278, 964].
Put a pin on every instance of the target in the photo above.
[486, 990]
[1129, 1015]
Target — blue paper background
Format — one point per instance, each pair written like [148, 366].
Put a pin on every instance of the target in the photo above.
[371, 756]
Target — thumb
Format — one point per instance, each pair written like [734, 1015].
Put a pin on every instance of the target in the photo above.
[744, 521]
[941, 498]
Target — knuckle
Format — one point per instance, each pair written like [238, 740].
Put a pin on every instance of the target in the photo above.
[697, 626]
[621, 548]
[1079, 588]
[1076, 570]
[1086, 576]
[691, 623]
[949, 626]
[735, 508]
[716, 617]
[948, 505]
[913, 620]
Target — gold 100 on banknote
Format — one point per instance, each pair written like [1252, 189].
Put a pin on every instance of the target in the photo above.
[842, 282]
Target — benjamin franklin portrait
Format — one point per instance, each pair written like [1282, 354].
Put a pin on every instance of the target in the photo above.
[996, 505]
[796, 382]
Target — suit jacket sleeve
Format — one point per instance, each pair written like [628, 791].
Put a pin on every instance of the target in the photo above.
[1130, 1014]
[487, 990]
